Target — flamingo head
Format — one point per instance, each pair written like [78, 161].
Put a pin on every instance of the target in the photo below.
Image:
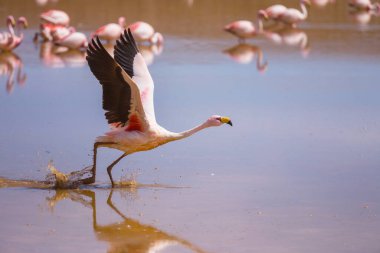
[11, 20]
[22, 21]
[122, 22]
[306, 2]
[216, 120]
[157, 39]
[262, 14]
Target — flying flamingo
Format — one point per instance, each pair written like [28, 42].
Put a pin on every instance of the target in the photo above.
[244, 29]
[128, 101]
[293, 16]
[111, 31]
[143, 31]
[364, 5]
[10, 40]
[55, 17]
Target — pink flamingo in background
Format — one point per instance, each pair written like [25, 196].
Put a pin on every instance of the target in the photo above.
[143, 31]
[47, 30]
[6, 36]
[293, 16]
[10, 40]
[244, 29]
[273, 12]
[50, 22]
[55, 17]
[72, 40]
[364, 5]
[111, 31]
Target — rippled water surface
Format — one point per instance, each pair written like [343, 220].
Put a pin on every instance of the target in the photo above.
[298, 171]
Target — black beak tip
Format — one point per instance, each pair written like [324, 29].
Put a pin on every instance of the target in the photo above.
[229, 123]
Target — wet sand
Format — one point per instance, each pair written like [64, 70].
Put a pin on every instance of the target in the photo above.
[298, 172]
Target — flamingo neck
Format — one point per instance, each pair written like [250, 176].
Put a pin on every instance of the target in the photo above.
[192, 131]
[304, 10]
[10, 28]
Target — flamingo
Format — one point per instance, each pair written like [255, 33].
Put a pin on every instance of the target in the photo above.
[143, 31]
[55, 17]
[128, 101]
[245, 54]
[244, 29]
[47, 30]
[6, 37]
[72, 40]
[364, 5]
[111, 31]
[10, 40]
[273, 12]
[293, 16]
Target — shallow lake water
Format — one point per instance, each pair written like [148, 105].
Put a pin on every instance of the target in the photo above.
[298, 171]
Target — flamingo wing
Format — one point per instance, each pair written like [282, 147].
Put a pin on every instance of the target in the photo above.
[121, 98]
[128, 56]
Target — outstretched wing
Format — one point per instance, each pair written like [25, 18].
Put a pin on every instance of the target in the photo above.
[127, 55]
[121, 96]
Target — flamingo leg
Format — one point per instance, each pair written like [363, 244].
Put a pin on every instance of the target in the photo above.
[91, 179]
[109, 168]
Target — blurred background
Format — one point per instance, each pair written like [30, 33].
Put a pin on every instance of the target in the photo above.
[298, 171]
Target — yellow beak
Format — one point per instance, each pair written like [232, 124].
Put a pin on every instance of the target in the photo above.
[226, 120]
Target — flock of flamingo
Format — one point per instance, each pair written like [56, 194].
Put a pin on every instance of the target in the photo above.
[63, 46]
[283, 15]
[278, 24]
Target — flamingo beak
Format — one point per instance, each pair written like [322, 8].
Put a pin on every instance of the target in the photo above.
[226, 120]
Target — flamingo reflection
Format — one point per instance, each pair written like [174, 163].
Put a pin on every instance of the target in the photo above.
[11, 66]
[363, 17]
[245, 54]
[58, 57]
[129, 235]
[290, 37]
